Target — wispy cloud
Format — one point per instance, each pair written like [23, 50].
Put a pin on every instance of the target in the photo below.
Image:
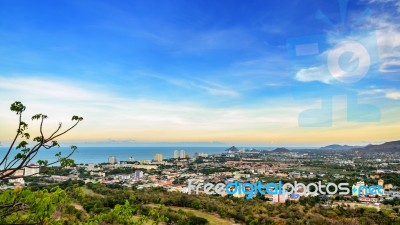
[385, 28]
[330, 68]
[388, 33]
[392, 94]
[388, 37]
[43, 88]
[388, 3]
[215, 40]
[109, 116]
[209, 87]
[216, 89]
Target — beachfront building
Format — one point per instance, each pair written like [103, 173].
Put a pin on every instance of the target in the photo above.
[31, 170]
[182, 154]
[176, 154]
[158, 157]
[112, 160]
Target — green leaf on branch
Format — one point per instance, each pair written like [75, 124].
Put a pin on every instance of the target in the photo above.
[77, 118]
[66, 162]
[54, 144]
[17, 107]
[43, 162]
[26, 135]
[23, 125]
[38, 139]
[39, 116]
[22, 144]
[20, 156]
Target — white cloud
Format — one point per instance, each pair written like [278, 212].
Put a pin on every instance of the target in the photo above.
[388, 35]
[107, 115]
[330, 71]
[387, 31]
[31, 87]
[314, 74]
[392, 94]
[395, 95]
[388, 38]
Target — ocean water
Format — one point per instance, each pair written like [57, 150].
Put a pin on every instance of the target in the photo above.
[101, 154]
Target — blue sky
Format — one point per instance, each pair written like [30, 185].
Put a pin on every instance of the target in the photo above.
[200, 71]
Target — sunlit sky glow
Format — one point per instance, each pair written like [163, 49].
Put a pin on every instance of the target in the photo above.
[194, 72]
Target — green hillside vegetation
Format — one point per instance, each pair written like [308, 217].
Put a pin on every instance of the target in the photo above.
[76, 203]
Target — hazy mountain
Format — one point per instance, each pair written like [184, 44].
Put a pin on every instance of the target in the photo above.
[282, 150]
[232, 149]
[392, 146]
[339, 147]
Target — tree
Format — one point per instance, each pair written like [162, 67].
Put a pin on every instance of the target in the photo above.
[24, 154]
[34, 207]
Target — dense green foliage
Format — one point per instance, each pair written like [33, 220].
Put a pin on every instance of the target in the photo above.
[26, 206]
[76, 203]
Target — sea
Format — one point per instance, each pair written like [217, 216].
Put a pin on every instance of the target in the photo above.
[85, 155]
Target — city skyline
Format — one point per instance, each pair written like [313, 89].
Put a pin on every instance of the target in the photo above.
[214, 74]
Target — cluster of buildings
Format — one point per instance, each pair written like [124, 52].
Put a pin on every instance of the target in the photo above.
[245, 165]
[177, 155]
[180, 154]
[17, 178]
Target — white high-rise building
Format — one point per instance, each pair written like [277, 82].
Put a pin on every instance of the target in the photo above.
[182, 154]
[176, 154]
[32, 169]
[158, 158]
[112, 160]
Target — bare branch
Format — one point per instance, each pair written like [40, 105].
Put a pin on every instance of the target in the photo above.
[58, 135]
[26, 155]
[55, 132]
[10, 173]
[41, 127]
[12, 144]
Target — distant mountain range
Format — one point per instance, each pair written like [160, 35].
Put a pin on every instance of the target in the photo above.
[339, 147]
[233, 149]
[391, 146]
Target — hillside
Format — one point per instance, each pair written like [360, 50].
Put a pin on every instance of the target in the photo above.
[281, 150]
[339, 147]
[392, 146]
